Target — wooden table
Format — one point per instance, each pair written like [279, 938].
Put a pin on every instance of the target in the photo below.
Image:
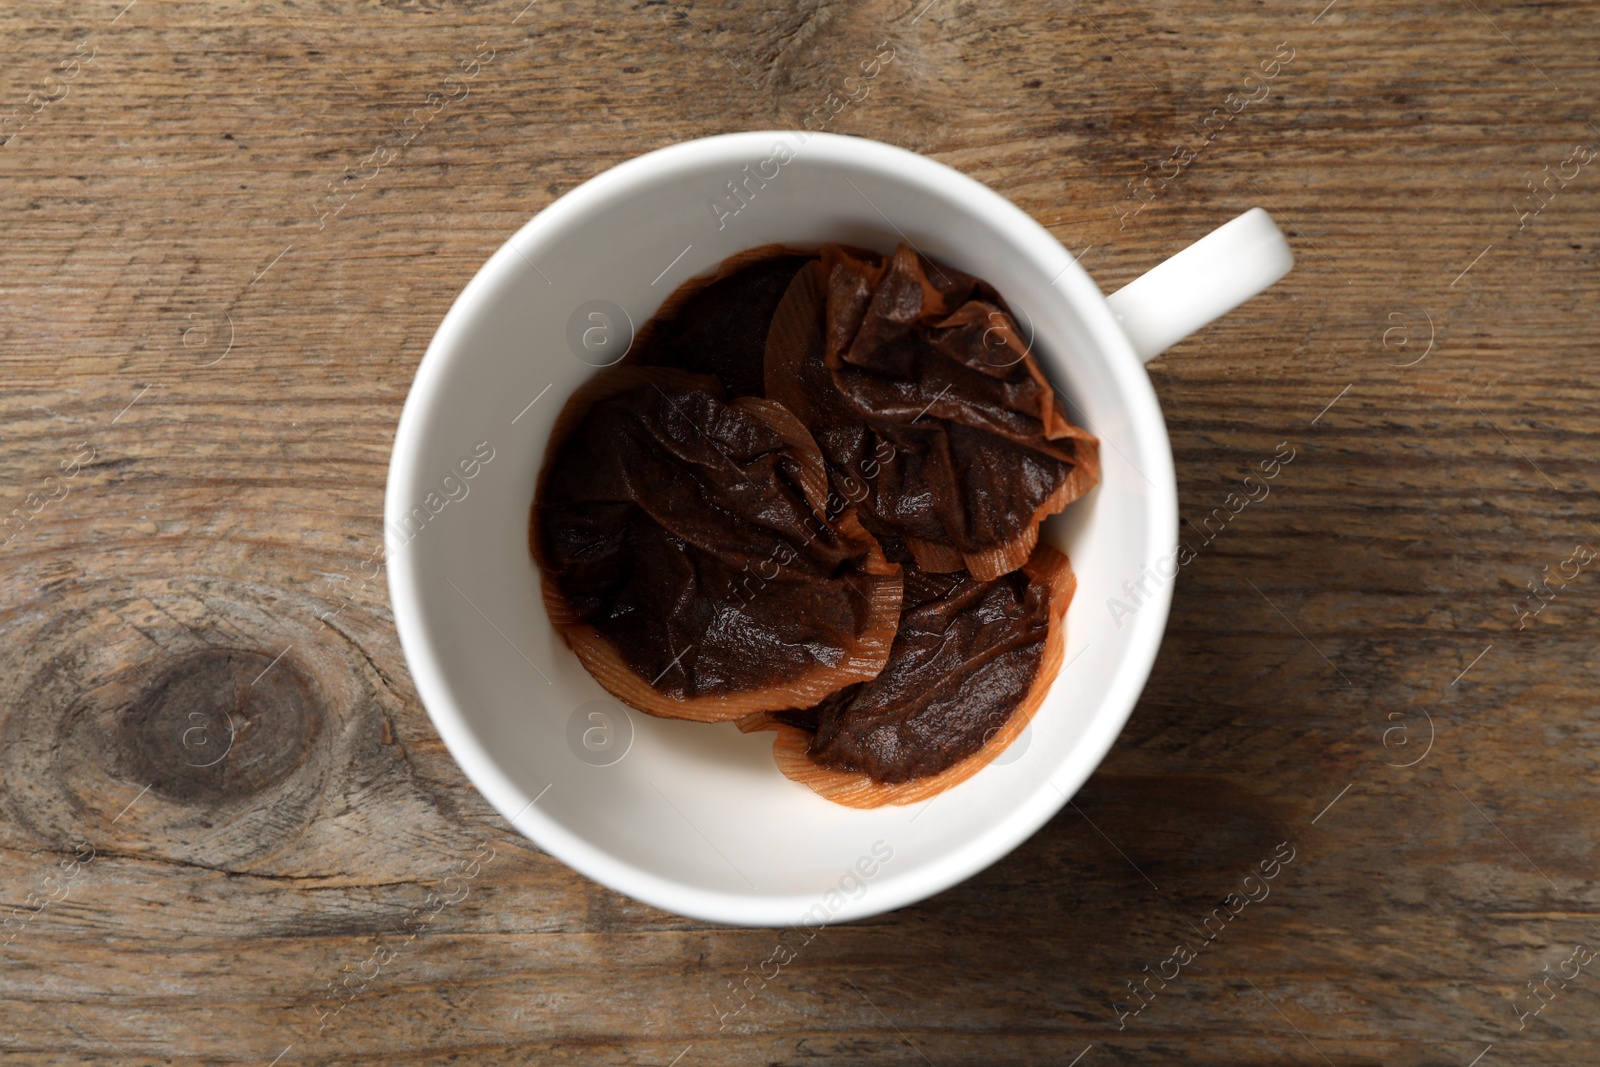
[229, 233]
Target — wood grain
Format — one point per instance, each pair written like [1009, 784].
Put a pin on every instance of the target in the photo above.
[210, 313]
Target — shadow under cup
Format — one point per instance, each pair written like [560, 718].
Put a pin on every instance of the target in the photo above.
[693, 818]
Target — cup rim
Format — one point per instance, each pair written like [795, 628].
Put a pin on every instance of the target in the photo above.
[890, 890]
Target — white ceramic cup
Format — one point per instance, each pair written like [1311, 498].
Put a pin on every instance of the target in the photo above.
[692, 818]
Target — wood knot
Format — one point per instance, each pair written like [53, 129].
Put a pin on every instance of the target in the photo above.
[210, 722]
[221, 724]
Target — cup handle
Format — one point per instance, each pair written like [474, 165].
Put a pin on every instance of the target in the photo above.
[1202, 283]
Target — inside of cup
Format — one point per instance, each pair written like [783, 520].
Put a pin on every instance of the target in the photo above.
[697, 817]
